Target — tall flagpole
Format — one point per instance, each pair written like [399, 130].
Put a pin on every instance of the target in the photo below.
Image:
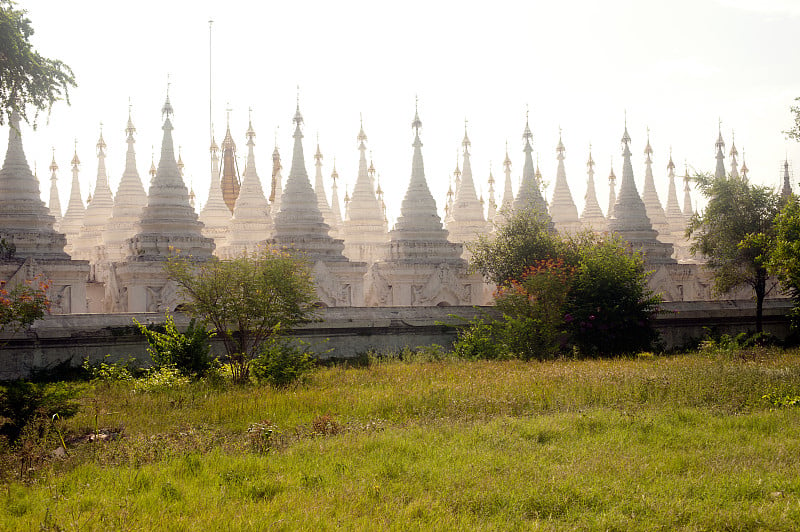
[210, 79]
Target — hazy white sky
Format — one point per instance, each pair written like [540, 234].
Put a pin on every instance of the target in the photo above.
[676, 66]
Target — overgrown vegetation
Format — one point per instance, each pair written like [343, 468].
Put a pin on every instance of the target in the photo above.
[187, 352]
[246, 300]
[583, 295]
[22, 304]
[736, 234]
[699, 441]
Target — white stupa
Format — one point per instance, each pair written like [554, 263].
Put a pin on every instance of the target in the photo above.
[251, 222]
[364, 228]
[592, 216]
[562, 207]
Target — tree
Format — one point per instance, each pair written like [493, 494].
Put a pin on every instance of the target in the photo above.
[784, 261]
[246, 300]
[522, 240]
[794, 132]
[27, 78]
[736, 234]
[584, 293]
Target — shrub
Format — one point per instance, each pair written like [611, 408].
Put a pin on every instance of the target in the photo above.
[23, 304]
[282, 362]
[158, 379]
[108, 372]
[246, 299]
[187, 352]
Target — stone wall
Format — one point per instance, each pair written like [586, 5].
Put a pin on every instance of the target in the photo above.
[343, 332]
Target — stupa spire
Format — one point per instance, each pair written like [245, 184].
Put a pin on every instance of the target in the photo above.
[675, 219]
[300, 224]
[592, 215]
[786, 191]
[25, 222]
[128, 202]
[507, 203]
[215, 214]
[687, 193]
[492, 211]
[734, 153]
[55, 202]
[612, 189]
[652, 203]
[418, 220]
[335, 208]
[98, 210]
[720, 173]
[319, 189]
[277, 180]
[168, 222]
[629, 218]
[364, 228]
[229, 181]
[73, 217]
[745, 170]
[529, 195]
[562, 207]
[251, 222]
[467, 221]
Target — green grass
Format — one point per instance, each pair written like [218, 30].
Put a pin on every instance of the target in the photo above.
[684, 442]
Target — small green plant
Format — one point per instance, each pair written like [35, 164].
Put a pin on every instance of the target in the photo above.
[107, 372]
[187, 352]
[776, 399]
[158, 379]
[262, 436]
[282, 362]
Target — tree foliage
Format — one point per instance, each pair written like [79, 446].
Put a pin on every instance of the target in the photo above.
[522, 240]
[187, 352]
[794, 132]
[246, 299]
[736, 234]
[785, 258]
[26, 77]
[584, 294]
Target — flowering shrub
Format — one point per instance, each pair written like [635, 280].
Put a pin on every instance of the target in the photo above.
[585, 295]
[23, 304]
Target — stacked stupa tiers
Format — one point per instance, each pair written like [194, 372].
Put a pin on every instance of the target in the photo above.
[507, 203]
[54, 206]
[592, 217]
[322, 199]
[73, 218]
[364, 228]
[30, 245]
[168, 227]
[215, 214]
[649, 195]
[529, 196]
[421, 267]
[128, 204]
[562, 207]
[251, 222]
[89, 244]
[466, 221]
[299, 227]
[629, 217]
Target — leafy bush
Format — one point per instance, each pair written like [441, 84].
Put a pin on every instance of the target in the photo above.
[246, 299]
[187, 352]
[158, 379]
[108, 372]
[282, 362]
[585, 295]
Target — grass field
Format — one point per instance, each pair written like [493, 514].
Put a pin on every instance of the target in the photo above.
[682, 442]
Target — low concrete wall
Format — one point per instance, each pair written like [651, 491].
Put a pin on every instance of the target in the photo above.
[344, 332]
